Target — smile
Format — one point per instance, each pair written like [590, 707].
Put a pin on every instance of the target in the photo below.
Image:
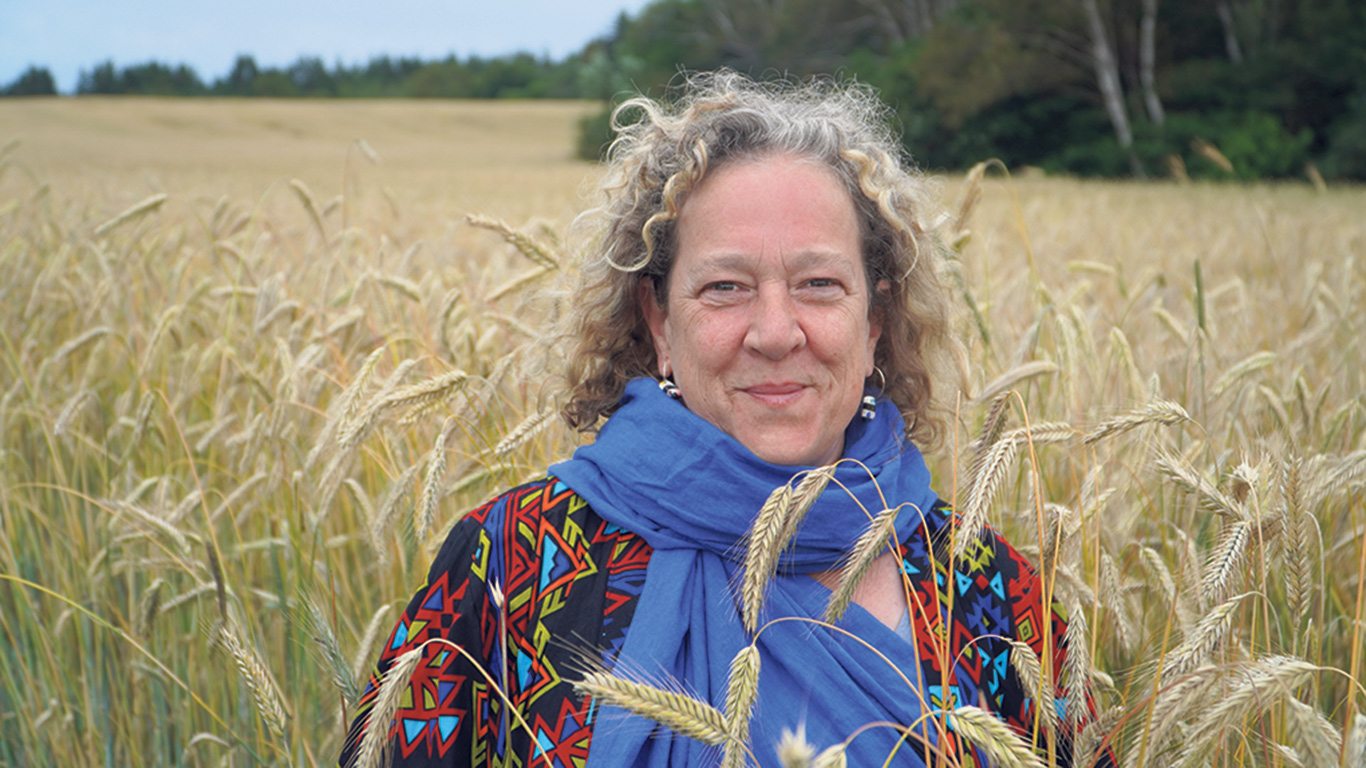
[776, 395]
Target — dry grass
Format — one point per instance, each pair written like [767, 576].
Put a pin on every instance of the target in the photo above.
[233, 401]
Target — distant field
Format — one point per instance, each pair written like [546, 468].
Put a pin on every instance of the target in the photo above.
[195, 440]
[437, 159]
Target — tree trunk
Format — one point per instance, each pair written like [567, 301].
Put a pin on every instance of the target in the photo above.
[1235, 51]
[1147, 56]
[1107, 77]
[886, 20]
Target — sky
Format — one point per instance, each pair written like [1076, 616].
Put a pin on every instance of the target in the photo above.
[68, 36]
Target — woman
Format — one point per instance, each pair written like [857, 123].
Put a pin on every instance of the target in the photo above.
[760, 300]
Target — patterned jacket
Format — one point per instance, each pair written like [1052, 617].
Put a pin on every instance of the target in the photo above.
[530, 582]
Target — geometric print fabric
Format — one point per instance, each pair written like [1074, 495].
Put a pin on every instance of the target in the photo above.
[533, 581]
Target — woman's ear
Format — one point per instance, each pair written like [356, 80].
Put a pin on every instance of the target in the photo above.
[655, 316]
[875, 317]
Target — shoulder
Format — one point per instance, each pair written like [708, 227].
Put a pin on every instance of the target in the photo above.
[530, 522]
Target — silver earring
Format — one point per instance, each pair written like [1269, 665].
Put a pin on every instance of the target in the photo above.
[668, 387]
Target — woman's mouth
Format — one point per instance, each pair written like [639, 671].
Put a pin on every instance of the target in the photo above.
[776, 394]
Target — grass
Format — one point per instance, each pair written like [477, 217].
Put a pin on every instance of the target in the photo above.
[236, 419]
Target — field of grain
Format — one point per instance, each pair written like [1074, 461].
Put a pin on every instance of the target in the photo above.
[255, 361]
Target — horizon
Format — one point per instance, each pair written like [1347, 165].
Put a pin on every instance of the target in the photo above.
[69, 37]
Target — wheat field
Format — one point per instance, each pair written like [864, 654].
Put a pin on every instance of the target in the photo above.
[256, 360]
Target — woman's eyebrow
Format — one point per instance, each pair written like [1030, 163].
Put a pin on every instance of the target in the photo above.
[816, 258]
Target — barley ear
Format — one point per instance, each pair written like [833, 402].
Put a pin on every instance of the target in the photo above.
[867, 549]
[761, 553]
[793, 749]
[832, 757]
[1356, 743]
[220, 586]
[396, 680]
[741, 691]
[264, 691]
[1030, 671]
[682, 714]
[329, 652]
[431, 487]
[1077, 666]
[1002, 745]
[529, 246]
[372, 630]
[1313, 736]
[1207, 636]
[1224, 561]
[148, 608]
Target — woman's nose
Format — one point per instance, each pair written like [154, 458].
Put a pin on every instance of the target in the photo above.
[775, 329]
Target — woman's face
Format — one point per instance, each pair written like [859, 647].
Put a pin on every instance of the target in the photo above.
[766, 327]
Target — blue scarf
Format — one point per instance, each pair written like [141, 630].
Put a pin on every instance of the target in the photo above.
[692, 491]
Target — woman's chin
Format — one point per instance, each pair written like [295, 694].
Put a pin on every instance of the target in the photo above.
[790, 449]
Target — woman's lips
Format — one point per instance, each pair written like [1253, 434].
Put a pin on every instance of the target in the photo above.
[777, 394]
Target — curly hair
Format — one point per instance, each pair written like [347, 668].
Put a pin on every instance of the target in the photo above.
[666, 150]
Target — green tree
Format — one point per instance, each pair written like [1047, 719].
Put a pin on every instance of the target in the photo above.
[35, 81]
[103, 79]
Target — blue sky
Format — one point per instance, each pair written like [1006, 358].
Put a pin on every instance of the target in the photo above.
[67, 36]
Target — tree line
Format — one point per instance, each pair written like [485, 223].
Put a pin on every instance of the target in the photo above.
[1244, 89]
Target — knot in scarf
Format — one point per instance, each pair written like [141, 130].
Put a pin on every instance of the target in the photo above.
[692, 492]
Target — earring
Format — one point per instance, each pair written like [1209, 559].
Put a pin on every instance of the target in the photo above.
[867, 408]
[868, 405]
[668, 387]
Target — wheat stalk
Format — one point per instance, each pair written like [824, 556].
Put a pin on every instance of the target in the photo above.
[389, 508]
[1186, 478]
[1224, 561]
[135, 211]
[387, 397]
[367, 640]
[833, 756]
[997, 417]
[1243, 368]
[992, 470]
[431, 487]
[1089, 741]
[1256, 686]
[1157, 412]
[1355, 746]
[523, 432]
[763, 544]
[1314, 737]
[1030, 671]
[1001, 385]
[220, 585]
[329, 650]
[870, 545]
[182, 542]
[1208, 635]
[527, 245]
[1002, 746]
[148, 608]
[259, 681]
[396, 681]
[682, 714]
[741, 691]
[793, 749]
[774, 526]
[1076, 667]
[305, 196]
[70, 410]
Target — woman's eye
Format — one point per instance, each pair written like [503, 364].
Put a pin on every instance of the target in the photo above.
[722, 286]
[822, 282]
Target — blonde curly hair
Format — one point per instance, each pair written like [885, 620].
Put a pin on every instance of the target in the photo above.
[668, 148]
